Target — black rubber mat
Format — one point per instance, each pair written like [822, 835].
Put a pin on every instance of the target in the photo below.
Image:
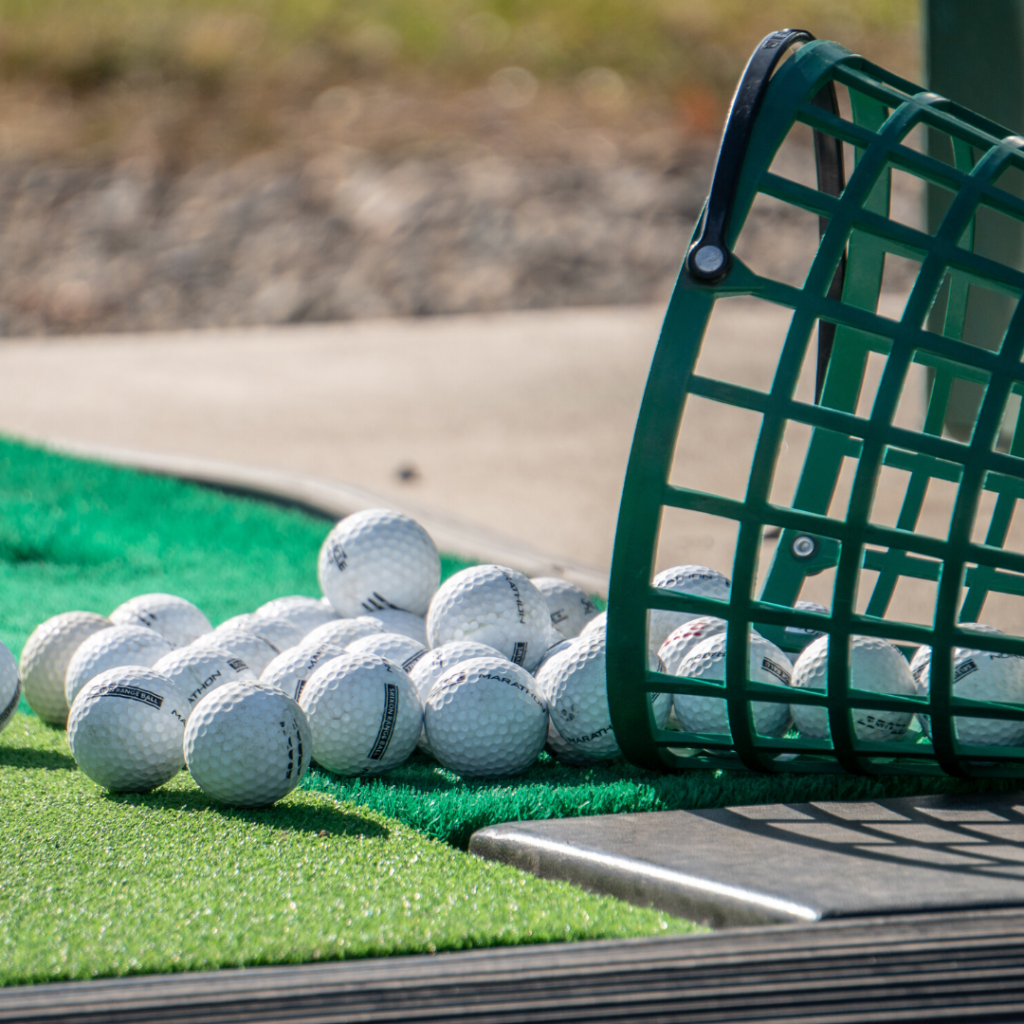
[935, 967]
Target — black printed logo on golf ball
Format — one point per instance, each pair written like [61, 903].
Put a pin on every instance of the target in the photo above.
[378, 603]
[206, 684]
[519, 653]
[237, 664]
[520, 607]
[387, 722]
[9, 710]
[964, 669]
[411, 660]
[776, 670]
[558, 616]
[154, 700]
[338, 556]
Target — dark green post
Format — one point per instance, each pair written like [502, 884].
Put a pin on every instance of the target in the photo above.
[974, 55]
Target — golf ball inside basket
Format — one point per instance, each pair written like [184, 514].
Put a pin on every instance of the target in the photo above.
[247, 745]
[485, 717]
[305, 613]
[111, 648]
[198, 670]
[364, 714]
[875, 665]
[398, 649]
[492, 605]
[292, 669]
[766, 664]
[570, 607]
[45, 657]
[126, 728]
[698, 580]
[684, 638]
[10, 687]
[175, 619]
[379, 559]
[256, 652]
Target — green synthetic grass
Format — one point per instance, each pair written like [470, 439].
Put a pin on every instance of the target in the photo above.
[95, 884]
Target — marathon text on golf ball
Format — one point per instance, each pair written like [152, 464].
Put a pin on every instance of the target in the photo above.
[387, 723]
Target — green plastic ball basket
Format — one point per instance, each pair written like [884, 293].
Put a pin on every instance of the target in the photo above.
[857, 393]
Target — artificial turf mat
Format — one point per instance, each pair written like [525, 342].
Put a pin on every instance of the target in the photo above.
[96, 884]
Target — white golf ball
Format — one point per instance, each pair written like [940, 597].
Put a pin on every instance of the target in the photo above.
[256, 652]
[379, 559]
[111, 648]
[683, 579]
[292, 669]
[570, 607]
[492, 605]
[198, 670]
[706, 661]
[10, 687]
[175, 619]
[364, 714]
[575, 686]
[45, 657]
[684, 638]
[247, 745]
[278, 632]
[598, 622]
[400, 650]
[875, 665]
[800, 634]
[126, 728]
[485, 717]
[344, 631]
[394, 620]
[305, 613]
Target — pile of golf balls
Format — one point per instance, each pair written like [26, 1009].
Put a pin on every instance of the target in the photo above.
[481, 672]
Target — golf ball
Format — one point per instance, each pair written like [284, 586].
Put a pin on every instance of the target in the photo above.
[485, 717]
[706, 661]
[570, 607]
[279, 633]
[364, 714]
[178, 621]
[684, 638]
[111, 648]
[198, 670]
[400, 650]
[800, 634]
[492, 605]
[875, 665]
[256, 652]
[598, 622]
[698, 580]
[292, 669]
[247, 745]
[394, 620]
[10, 687]
[379, 559]
[126, 727]
[305, 613]
[45, 657]
[575, 686]
[344, 631]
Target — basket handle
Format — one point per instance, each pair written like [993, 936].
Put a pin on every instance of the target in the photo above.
[709, 258]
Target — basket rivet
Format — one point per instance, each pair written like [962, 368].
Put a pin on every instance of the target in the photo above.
[804, 546]
[709, 259]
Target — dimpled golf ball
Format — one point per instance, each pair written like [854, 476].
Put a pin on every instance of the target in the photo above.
[396, 621]
[10, 687]
[292, 669]
[398, 649]
[706, 661]
[178, 621]
[570, 607]
[126, 728]
[278, 632]
[492, 605]
[798, 633]
[597, 623]
[305, 613]
[201, 669]
[45, 657]
[698, 580]
[344, 631]
[364, 714]
[684, 638]
[485, 717]
[111, 648]
[247, 745]
[575, 686]
[256, 652]
[875, 665]
[379, 559]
